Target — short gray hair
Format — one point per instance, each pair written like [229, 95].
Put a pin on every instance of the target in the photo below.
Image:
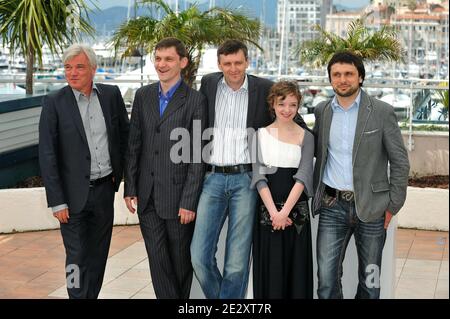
[76, 49]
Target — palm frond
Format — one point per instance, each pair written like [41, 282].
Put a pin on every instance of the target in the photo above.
[28, 25]
[195, 28]
[382, 45]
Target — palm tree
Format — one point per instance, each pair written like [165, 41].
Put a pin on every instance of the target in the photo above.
[195, 28]
[443, 99]
[27, 25]
[380, 45]
[412, 5]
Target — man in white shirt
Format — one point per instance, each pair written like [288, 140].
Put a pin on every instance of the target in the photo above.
[236, 101]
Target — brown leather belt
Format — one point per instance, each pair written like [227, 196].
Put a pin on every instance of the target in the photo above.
[347, 196]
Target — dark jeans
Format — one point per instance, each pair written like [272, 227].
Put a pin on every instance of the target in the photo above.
[337, 223]
[87, 237]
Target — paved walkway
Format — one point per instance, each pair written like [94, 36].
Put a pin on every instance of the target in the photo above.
[32, 265]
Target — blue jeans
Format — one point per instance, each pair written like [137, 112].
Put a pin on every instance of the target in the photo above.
[222, 194]
[337, 222]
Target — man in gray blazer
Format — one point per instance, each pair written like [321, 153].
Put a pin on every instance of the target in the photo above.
[360, 177]
[83, 133]
[165, 190]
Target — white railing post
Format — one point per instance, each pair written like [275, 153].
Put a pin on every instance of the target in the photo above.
[411, 113]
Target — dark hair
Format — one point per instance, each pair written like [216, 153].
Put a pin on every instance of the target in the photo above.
[232, 46]
[282, 89]
[173, 42]
[349, 58]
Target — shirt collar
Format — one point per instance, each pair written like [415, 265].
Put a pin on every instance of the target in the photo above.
[243, 87]
[78, 93]
[171, 91]
[335, 104]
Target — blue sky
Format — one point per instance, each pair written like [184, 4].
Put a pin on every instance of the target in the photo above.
[103, 4]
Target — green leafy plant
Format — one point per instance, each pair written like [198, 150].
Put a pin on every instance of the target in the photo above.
[380, 45]
[27, 25]
[443, 99]
[425, 127]
[195, 28]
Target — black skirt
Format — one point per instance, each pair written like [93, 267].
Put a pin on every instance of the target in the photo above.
[282, 259]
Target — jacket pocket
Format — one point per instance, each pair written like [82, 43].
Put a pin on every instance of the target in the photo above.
[369, 133]
[382, 186]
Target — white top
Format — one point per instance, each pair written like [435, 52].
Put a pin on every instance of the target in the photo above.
[276, 153]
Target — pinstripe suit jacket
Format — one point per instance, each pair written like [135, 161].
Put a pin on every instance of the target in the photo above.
[149, 168]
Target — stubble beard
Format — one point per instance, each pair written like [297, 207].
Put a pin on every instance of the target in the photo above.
[348, 93]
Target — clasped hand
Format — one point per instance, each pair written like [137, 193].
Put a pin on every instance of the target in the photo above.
[280, 219]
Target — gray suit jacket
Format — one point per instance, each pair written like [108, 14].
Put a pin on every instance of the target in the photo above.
[378, 142]
[149, 168]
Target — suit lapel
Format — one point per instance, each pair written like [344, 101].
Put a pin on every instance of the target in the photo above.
[212, 101]
[325, 127]
[72, 107]
[151, 102]
[327, 118]
[252, 99]
[175, 103]
[365, 109]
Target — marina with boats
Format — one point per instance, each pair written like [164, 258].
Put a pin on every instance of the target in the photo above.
[414, 87]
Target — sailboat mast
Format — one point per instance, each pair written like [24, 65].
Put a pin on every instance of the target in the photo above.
[283, 35]
[129, 10]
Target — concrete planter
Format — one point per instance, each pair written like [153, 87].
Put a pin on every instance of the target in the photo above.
[425, 208]
[429, 154]
[26, 209]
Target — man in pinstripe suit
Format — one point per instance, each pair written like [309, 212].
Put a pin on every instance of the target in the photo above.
[167, 191]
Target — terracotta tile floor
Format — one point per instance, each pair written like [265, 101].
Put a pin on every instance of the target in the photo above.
[31, 265]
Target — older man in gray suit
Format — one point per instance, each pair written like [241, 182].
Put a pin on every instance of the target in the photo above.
[360, 178]
[83, 133]
[165, 190]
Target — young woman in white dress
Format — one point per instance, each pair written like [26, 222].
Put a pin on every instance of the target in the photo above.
[282, 173]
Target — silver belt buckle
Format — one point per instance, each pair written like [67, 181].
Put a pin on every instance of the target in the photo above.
[347, 196]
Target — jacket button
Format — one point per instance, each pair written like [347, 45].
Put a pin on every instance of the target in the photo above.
[88, 158]
[158, 131]
[152, 174]
[156, 152]
[87, 176]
